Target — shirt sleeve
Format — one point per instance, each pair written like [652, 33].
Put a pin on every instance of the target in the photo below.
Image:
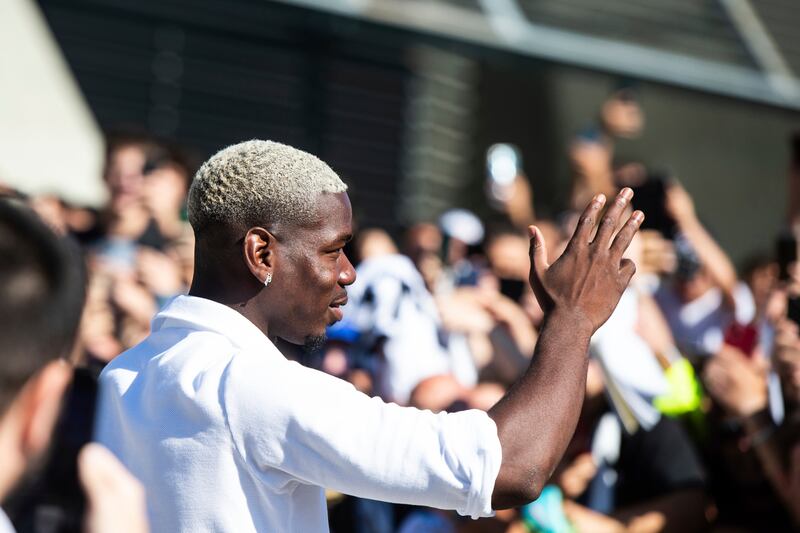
[320, 430]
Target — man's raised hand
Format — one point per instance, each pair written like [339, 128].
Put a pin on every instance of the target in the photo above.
[587, 281]
[578, 293]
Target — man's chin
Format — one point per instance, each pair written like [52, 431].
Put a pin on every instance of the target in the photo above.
[314, 343]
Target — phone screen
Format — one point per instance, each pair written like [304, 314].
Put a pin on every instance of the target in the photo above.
[787, 254]
[503, 164]
[793, 309]
[650, 197]
[512, 288]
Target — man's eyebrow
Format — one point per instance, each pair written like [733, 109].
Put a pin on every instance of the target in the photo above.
[344, 237]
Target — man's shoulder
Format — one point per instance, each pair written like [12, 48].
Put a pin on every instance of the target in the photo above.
[167, 351]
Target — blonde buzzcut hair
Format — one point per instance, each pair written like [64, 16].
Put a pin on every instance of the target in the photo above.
[257, 182]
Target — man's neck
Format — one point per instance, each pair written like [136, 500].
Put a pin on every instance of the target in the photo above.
[243, 302]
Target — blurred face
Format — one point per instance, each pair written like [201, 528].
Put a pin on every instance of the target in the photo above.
[623, 117]
[311, 273]
[591, 160]
[124, 175]
[691, 289]
[762, 281]
[508, 255]
[164, 190]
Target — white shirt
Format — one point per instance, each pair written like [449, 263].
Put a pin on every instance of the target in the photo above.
[228, 435]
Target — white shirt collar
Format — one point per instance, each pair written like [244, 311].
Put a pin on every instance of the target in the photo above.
[198, 313]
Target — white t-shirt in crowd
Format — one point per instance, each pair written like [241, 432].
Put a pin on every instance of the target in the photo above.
[389, 301]
[699, 326]
[5, 523]
[228, 435]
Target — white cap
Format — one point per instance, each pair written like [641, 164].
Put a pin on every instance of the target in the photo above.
[463, 225]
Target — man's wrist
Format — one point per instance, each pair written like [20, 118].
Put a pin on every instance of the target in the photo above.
[573, 320]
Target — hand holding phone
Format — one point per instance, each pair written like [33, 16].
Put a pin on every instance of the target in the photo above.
[503, 165]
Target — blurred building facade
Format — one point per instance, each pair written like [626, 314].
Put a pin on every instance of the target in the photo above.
[403, 97]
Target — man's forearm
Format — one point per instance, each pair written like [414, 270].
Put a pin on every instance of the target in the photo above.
[536, 419]
[578, 292]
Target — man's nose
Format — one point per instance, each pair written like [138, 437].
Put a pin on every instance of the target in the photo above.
[347, 275]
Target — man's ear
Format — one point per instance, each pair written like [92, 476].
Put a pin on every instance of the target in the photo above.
[259, 252]
[41, 400]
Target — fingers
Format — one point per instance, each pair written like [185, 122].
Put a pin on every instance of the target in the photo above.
[625, 235]
[538, 252]
[583, 232]
[116, 499]
[611, 219]
[627, 269]
[100, 472]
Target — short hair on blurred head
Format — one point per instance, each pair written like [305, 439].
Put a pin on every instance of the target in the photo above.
[42, 290]
[259, 182]
[119, 138]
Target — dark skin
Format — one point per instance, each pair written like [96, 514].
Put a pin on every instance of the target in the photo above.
[310, 273]
[578, 292]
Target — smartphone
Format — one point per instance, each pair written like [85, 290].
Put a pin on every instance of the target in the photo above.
[51, 500]
[796, 147]
[744, 337]
[793, 309]
[503, 165]
[650, 197]
[512, 288]
[787, 254]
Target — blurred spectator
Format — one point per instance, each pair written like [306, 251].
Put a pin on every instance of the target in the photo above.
[140, 249]
[705, 297]
[747, 454]
[628, 468]
[168, 174]
[592, 152]
[41, 295]
[400, 330]
[423, 245]
[373, 242]
[648, 481]
[590, 155]
[621, 115]
[761, 276]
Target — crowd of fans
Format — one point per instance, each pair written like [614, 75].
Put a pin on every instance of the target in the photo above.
[690, 418]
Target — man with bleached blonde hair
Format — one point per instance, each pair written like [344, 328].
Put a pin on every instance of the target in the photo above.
[227, 435]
